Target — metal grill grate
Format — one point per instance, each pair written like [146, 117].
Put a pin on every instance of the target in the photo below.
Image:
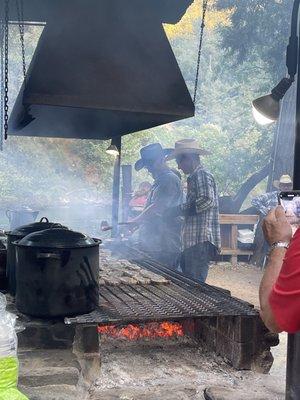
[183, 298]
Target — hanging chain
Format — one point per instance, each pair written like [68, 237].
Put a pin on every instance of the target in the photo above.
[20, 12]
[2, 86]
[204, 9]
[6, 69]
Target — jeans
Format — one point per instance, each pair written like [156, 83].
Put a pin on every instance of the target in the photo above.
[195, 260]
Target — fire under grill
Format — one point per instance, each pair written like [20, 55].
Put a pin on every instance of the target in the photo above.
[182, 299]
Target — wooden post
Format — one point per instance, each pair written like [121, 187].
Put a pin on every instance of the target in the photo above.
[234, 244]
[126, 190]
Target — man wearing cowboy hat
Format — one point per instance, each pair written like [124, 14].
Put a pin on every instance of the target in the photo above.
[159, 238]
[268, 201]
[201, 230]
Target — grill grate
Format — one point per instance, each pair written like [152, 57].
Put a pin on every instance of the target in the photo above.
[183, 298]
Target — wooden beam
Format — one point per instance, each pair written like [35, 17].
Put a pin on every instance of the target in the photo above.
[238, 219]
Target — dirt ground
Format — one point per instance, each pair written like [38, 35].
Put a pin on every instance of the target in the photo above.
[243, 282]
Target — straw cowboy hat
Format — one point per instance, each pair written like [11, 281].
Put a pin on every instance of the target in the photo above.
[187, 146]
[149, 154]
[284, 180]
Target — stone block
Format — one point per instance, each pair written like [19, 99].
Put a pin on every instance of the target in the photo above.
[239, 329]
[49, 376]
[47, 336]
[243, 341]
[224, 393]
[57, 392]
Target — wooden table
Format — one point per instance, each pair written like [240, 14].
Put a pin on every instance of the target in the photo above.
[233, 221]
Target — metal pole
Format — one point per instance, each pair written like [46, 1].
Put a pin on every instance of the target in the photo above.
[293, 368]
[126, 190]
[116, 188]
[293, 351]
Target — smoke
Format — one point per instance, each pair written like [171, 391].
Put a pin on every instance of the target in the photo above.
[34, 174]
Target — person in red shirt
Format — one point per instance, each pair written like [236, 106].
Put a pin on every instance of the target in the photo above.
[139, 199]
[280, 286]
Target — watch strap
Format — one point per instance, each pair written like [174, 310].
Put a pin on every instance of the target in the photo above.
[280, 245]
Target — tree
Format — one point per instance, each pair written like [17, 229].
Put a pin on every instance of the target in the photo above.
[190, 22]
[258, 27]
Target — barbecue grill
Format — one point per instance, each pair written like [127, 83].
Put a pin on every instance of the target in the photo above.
[183, 298]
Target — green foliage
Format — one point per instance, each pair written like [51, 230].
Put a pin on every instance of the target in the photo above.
[258, 27]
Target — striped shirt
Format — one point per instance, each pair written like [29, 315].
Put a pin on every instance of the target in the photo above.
[204, 225]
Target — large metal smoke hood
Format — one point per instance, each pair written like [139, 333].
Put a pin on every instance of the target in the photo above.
[102, 68]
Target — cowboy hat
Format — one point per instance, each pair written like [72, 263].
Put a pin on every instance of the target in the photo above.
[187, 146]
[284, 180]
[149, 154]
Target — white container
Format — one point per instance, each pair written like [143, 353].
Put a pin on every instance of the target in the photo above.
[245, 234]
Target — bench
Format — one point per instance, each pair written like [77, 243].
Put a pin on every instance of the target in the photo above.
[229, 234]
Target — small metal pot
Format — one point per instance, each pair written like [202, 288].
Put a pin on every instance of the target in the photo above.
[18, 234]
[21, 216]
[57, 273]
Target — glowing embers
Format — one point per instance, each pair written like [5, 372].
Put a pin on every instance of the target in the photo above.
[150, 330]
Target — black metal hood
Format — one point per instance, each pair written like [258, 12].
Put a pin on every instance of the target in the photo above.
[102, 68]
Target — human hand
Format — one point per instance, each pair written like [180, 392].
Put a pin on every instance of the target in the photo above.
[276, 227]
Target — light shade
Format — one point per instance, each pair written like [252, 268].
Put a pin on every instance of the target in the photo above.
[266, 109]
[112, 150]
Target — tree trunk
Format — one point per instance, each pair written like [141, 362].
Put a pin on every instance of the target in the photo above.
[232, 205]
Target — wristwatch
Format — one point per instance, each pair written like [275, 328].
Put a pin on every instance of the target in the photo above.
[282, 245]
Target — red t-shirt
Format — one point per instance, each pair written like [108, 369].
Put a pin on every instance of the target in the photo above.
[285, 296]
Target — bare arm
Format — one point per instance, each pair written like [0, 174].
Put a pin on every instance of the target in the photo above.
[268, 281]
[276, 229]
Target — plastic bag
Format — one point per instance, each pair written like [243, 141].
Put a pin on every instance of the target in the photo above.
[12, 394]
[9, 364]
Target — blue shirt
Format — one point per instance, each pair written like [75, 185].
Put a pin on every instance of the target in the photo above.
[157, 234]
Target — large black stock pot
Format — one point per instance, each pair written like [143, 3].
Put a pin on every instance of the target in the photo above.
[57, 273]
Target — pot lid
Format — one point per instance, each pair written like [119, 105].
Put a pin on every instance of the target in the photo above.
[57, 238]
[35, 227]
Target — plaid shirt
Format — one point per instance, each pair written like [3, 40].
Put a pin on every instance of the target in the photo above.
[204, 226]
[266, 202]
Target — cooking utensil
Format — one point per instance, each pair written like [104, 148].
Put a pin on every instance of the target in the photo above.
[18, 234]
[21, 216]
[57, 273]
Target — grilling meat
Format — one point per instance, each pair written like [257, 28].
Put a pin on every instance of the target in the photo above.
[115, 272]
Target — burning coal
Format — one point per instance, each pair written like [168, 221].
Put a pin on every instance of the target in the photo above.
[150, 330]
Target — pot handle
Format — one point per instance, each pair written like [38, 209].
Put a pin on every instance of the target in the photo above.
[96, 240]
[53, 256]
[8, 214]
[44, 219]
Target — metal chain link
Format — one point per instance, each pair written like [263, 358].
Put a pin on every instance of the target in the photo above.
[2, 86]
[6, 68]
[204, 10]
[20, 12]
